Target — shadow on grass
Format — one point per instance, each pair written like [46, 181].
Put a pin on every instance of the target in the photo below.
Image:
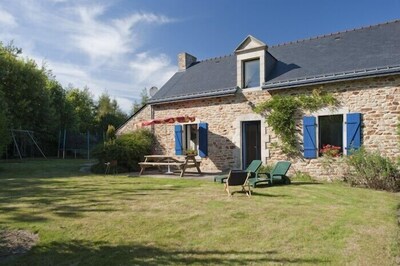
[301, 183]
[29, 198]
[293, 183]
[101, 253]
[258, 194]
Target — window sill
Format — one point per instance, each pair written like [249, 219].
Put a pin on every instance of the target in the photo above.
[252, 89]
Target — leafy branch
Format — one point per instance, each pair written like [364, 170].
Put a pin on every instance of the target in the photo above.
[281, 110]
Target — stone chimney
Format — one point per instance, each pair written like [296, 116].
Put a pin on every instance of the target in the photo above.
[185, 60]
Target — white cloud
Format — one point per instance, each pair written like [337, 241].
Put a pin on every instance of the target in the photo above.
[7, 19]
[105, 40]
[85, 45]
[146, 68]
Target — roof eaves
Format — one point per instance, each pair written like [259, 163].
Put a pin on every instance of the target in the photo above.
[327, 78]
[192, 96]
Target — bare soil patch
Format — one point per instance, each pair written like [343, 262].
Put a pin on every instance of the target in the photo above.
[16, 242]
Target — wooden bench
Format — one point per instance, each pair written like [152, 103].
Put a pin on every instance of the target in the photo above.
[160, 160]
[145, 165]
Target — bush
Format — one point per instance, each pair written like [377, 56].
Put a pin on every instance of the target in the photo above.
[303, 177]
[266, 168]
[371, 170]
[128, 150]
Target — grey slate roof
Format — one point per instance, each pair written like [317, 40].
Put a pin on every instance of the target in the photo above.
[207, 78]
[373, 50]
[358, 53]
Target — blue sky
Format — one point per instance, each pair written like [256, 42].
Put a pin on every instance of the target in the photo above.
[123, 46]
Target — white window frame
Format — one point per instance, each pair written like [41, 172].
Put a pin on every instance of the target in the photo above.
[186, 135]
[329, 112]
[244, 72]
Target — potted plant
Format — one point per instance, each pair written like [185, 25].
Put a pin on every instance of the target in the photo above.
[330, 155]
[330, 150]
[191, 152]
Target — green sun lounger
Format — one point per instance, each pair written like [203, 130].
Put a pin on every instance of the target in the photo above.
[277, 175]
[252, 168]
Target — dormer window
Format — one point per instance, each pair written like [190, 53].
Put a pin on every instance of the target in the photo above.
[250, 63]
[251, 73]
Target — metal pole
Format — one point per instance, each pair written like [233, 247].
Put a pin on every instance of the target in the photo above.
[59, 144]
[15, 143]
[29, 133]
[65, 136]
[88, 145]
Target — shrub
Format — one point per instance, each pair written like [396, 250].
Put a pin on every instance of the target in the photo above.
[304, 177]
[128, 150]
[110, 133]
[371, 170]
[266, 168]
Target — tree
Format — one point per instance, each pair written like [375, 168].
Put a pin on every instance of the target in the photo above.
[4, 132]
[108, 113]
[110, 134]
[32, 99]
[82, 108]
[23, 85]
[144, 98]
[65, 116]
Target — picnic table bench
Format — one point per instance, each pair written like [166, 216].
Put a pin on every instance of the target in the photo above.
[187, 161]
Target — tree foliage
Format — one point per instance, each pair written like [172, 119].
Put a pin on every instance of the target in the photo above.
[108, 113]
[144, 98]
[32, 99]
[4, 133]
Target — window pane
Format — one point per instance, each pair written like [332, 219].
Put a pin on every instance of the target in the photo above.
[251, 73]
[190, 137]
[331, 131]
[193, 137]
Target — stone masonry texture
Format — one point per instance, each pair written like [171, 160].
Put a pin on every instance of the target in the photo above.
[378, 99]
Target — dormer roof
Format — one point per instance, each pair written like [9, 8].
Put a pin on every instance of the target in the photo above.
[250, 43]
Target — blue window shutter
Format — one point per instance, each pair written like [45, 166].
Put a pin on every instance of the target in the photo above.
[353, 127]
[203, 140]
[309, 137]
[178, 140]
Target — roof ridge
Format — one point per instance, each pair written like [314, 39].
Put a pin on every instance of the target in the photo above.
[214, 58]
[334, 33]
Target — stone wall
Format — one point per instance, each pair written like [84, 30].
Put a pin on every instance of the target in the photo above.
[133, 123]
[376, 98]
[222, 115]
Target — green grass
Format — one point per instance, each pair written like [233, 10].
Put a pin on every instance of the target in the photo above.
[119, 220]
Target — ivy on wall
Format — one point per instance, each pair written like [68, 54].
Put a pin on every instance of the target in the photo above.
[280, 113]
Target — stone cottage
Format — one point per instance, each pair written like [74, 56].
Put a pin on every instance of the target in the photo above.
[360, 67]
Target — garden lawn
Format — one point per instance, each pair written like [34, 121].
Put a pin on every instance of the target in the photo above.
[86, 219]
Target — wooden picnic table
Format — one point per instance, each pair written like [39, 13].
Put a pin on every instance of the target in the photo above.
[181, 162]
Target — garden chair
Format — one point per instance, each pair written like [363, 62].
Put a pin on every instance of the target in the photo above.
[111, 166]
[252, 168]
[277, 175]
[236, 178]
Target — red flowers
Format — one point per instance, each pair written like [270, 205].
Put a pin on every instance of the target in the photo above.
[330, 150]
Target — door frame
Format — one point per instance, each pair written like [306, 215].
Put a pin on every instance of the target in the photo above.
[243, 140]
